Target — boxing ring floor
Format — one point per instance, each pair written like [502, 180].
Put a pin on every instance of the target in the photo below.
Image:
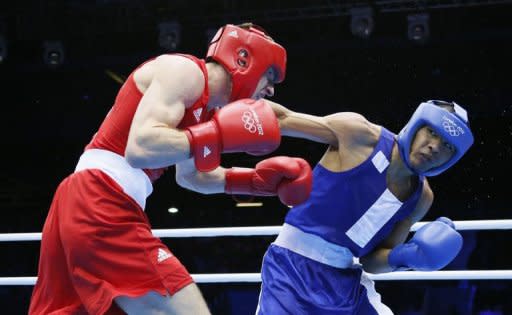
[255, 231]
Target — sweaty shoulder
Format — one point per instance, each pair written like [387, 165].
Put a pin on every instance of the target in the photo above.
[353, 128]
[175, 76]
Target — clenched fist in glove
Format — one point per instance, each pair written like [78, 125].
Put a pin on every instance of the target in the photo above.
[432, 247]
[242, 126]
[287, 177]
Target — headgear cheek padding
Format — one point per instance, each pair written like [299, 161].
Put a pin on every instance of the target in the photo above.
[452, 127]
[246, 54]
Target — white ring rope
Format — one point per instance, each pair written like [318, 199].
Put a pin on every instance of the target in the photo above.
[274, 230]
[397, 275]
[265, 230]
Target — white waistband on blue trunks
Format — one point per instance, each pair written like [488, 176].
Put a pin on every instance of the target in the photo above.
[314, 247]
[134, 181]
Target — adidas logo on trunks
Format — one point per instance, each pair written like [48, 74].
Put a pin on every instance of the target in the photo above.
[163, 255]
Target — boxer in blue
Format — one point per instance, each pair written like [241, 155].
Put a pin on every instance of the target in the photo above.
[369, 188]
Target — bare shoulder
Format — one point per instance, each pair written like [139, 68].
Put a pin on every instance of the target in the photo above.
[175, 68]
[353, 127]
[177, 76]
[176, 62]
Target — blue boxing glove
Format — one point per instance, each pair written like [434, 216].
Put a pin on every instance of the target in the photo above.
[432, 247]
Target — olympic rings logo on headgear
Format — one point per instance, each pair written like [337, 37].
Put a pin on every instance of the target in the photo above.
[451, 127]
[249, 122]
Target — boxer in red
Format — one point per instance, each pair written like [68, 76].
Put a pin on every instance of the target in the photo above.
[98, 255]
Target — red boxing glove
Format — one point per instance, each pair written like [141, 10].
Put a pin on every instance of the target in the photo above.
[289, 178]
[242, 126]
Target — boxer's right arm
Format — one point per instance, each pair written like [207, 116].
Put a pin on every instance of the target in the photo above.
[175, 84]
[343, 128]
[245, 125]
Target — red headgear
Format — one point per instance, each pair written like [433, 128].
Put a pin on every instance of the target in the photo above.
[246, 54]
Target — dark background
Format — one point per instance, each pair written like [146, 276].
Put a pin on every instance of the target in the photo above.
[50, 113]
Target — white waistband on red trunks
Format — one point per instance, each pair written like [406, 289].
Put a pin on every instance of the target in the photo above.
[134, 181]
[314, 247]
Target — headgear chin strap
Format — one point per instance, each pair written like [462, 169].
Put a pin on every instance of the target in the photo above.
[452, 127]
[246, 54]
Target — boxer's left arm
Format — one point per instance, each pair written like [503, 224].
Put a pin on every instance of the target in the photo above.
[288, 178]
[432, 247]
[377, 260]
[187, 176]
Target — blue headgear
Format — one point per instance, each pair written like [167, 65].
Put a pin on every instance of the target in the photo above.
[452, 127]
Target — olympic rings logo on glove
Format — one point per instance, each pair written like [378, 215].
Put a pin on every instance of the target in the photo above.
[249, 122]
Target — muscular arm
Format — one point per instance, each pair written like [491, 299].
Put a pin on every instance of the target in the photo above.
[377, 260]
[175, 83]
[343, 127]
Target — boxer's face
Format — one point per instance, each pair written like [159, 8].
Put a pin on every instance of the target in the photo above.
[429, 150]
[265, 87]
